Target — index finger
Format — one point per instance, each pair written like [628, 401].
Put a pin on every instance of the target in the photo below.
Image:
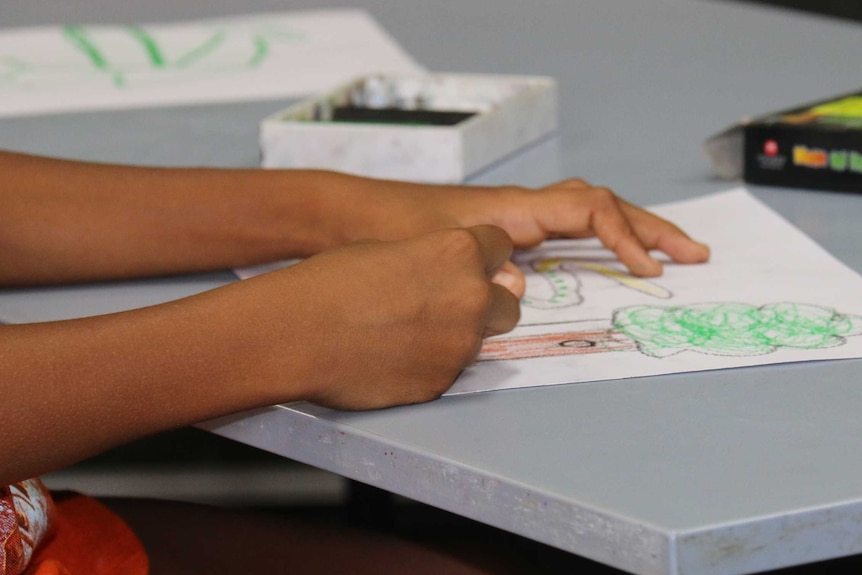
[655, 232]
[612, 226]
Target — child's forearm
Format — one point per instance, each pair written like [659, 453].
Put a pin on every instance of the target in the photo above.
[361, 327]
[66, 221]
[72, 389]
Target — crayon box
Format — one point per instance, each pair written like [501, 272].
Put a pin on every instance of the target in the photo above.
[817, 146]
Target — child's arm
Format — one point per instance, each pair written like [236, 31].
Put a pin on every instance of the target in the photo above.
[368, 325]
[365, 326]
[63, 221]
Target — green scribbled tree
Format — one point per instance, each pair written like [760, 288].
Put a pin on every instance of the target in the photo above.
[735, 329]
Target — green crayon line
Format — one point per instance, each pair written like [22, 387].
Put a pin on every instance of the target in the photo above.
[261, 50]
[205, 49]
[734, 328]
[150, 45]
[78, 36]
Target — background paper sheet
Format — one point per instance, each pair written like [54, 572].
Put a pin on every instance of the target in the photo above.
[768, 295]
[270, 55]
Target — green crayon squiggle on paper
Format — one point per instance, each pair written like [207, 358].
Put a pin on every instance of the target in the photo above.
[220, 52]
[735, 329]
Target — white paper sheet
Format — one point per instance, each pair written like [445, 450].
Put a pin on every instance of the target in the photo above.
[273, 55]
[768, 295]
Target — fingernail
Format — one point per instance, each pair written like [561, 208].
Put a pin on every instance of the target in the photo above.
[652, 267]
[509, 281]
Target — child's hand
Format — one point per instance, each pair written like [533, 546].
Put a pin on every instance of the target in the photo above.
[375, 324]
[568, 209]
[187, 220]
[575, 209]
[366, 326]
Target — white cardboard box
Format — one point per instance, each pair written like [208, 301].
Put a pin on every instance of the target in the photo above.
[510, 112]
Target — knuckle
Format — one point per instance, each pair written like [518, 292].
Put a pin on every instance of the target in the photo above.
[604, 196]
[460, 243]
[570, 184]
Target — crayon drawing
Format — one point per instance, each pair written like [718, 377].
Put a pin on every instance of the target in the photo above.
[564, 285]
[274, 55]
[731, 329]
[769, 294]
[126, 57]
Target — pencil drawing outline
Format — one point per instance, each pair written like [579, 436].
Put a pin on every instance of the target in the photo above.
[562, 276]
[726, 329]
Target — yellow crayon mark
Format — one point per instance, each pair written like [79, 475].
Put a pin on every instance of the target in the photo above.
[545, 266]
[627, 280]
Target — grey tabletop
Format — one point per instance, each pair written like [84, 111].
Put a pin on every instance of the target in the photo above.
[712, 473]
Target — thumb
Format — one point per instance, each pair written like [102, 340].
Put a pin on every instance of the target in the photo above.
[510, 277]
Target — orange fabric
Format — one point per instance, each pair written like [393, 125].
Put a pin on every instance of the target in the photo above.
[50, 567]
[89, 539]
